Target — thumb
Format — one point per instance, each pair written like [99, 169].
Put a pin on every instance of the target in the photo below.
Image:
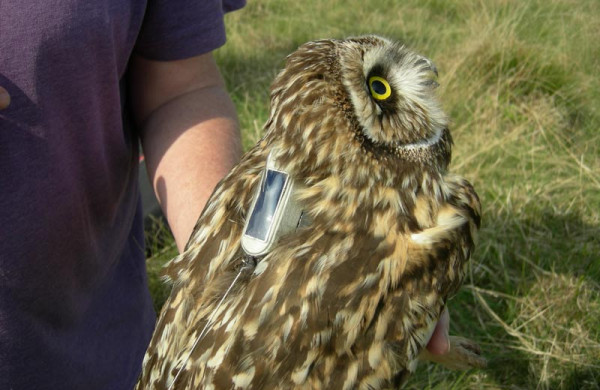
[439, 343]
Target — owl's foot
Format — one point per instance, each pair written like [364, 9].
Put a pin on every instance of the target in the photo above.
[463, 355]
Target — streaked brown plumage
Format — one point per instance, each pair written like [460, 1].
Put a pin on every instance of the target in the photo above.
[350, 300]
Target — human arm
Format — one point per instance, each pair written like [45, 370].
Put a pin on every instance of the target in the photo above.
[189, 133]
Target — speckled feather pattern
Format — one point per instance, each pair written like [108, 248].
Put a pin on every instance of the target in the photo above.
[349, 301]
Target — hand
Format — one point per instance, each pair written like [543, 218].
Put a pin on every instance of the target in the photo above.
[4, 98]
[439, 343]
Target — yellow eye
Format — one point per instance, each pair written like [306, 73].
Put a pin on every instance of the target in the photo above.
[379, 87]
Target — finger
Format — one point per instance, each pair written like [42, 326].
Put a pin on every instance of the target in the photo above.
[439, 343]
[4, 98]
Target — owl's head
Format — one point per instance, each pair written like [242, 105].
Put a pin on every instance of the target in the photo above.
[338, 98]
[392, 90]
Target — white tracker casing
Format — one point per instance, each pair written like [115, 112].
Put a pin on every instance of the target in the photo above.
[274, 212]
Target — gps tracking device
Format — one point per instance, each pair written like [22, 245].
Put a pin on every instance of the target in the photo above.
[274, 211]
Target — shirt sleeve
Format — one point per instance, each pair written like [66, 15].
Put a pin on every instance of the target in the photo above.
[178, 29]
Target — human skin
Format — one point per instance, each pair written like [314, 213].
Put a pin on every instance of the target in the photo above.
[439, 343]
[189, 133]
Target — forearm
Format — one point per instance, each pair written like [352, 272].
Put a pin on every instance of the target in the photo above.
[190, 143]
[189, 133]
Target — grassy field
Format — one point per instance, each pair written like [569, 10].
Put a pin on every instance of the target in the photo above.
[520, 82]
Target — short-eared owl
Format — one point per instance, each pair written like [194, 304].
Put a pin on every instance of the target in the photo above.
[325, 258]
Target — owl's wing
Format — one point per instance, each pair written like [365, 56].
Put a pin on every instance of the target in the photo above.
[341, 309]
[325, 309]
[213, 248]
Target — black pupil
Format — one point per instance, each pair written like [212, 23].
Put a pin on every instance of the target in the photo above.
[378, 87]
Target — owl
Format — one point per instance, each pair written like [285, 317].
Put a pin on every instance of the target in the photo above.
[326, 256]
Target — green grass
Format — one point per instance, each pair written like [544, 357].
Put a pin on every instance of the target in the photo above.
[520, 81]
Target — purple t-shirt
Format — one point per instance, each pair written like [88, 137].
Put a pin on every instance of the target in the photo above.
[75, 312]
